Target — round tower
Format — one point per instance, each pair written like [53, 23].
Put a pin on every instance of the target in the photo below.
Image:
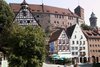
[93, 20]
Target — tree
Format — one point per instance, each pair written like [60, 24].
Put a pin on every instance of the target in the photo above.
[6, 21]
[85, 27]
[23, 46]
[27, 47]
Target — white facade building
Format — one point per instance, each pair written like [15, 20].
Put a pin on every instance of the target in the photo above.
[78, 44]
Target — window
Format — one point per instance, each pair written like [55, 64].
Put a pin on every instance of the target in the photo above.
[80, 42]
[58, 22]
[21, 21]
[64, 47]
[83, 48]
[90, 45]
[59, 16]
[63, 41]
[47, 10]
[56, 12]
[37, 16]
[98, 50]
[62, 16]
[63, 35]
[76, 53]
[60, 47]
[63, 23]
[73, 42]
[77, 42]
[75, 36]
[38, 10]
[72, 53]
[60, 41]
[70, 24]
[28, 21]
[72, 48]
[24, 13]
[81, 37]
[83, 42]
[54, 21]
[76, 48]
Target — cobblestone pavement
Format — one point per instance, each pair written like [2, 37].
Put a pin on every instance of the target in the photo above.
[52, 65]
[85, 65]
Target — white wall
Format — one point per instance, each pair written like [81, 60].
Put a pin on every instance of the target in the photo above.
[78, 36]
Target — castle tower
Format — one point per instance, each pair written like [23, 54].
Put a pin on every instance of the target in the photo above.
[93, 20]
[79, 11]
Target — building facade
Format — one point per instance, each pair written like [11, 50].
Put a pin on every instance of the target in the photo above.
[51, 17]
[93, 39]
[59, 44]
[73, 40]
[78, 44]
[24, 16]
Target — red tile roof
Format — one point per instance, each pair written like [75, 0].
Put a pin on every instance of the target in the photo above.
[55, 35]
[40, 8]
[91, 34]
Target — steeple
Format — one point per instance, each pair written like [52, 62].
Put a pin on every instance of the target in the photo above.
[24, 4]
[93, 20]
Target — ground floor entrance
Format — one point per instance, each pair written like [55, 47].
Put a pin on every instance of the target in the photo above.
[79, 60]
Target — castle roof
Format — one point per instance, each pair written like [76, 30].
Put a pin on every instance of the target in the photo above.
[43, 8]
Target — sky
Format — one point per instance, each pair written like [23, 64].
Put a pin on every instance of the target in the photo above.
[89, 6]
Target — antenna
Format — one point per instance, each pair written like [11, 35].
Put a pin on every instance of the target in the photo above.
[42, 1]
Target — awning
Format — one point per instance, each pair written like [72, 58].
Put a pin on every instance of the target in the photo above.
[65, 56]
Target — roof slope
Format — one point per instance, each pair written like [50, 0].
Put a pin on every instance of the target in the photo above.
[43, 8]
[55, 35]
[91, 34]
[69, 31]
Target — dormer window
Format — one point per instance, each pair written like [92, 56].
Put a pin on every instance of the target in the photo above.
[56, 12]
[24, 12]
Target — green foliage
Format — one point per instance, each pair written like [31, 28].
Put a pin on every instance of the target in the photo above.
[85, 27]
[6, 20]
[27, 47]
[23, 46]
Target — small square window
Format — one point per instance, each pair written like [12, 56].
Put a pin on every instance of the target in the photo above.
[77, 42]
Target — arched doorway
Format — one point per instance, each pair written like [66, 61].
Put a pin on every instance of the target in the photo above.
[80, 59]
[88, 59]
[97, 59]
[93, 59]
[85, 59]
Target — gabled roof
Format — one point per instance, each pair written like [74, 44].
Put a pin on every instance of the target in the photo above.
[43, 8]
[69, 31]
[55, 35]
